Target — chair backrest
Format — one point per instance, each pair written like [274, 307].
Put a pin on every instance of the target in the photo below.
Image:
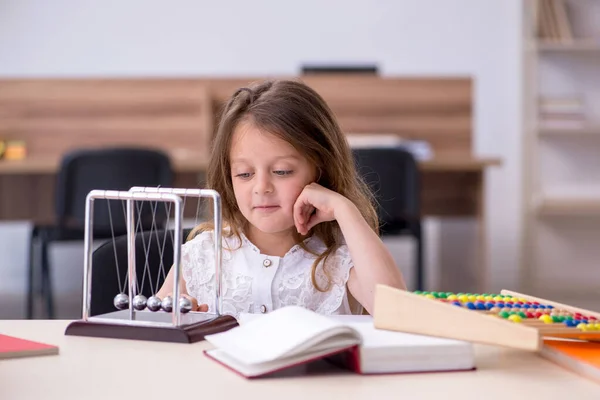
[107, 169]
[393, 175]
[150, 246]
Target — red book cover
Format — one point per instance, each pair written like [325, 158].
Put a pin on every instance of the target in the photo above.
[325, 363]
[14, 347]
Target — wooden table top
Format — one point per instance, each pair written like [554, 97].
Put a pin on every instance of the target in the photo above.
[97, 368]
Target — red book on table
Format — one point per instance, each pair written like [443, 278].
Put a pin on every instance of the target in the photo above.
[14, 347]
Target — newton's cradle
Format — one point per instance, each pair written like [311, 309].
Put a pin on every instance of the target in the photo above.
[137, 317]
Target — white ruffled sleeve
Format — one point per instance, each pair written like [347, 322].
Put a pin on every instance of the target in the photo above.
[338, 268]
[198, 268]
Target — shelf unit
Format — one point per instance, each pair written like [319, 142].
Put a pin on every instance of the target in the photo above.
[561, 251]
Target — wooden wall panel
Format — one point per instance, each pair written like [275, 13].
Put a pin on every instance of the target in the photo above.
[179, 115]
[54, 116]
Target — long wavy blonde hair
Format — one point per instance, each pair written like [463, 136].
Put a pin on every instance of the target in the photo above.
[296, 113]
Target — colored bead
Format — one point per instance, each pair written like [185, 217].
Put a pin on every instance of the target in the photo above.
[481, 306]
[549, 306]
[503, 314]
[517, 305]
[471, 306]
[557, 318]
[417, 292]
[541, 306]
[570, 323]
[495, 310]
[489, 298]
[583, 327]
[515, 318]
[500, 304]
[489, 305]
[442, 295]
[592, 318]
[546, 319]
[463, 298]
[537, 314]
[430, 296]
[457, 303]
[472, 298]
[597, 326]
[527, 306]
[452, 297]
[529, 315]
[498, 298]
[522, 314]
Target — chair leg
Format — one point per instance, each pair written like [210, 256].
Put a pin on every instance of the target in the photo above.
[419, 259]
[31, 274]
[46, 280]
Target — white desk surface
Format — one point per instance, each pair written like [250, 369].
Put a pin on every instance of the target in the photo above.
[97, 368]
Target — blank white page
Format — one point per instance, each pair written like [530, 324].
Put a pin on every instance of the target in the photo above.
[278, 334]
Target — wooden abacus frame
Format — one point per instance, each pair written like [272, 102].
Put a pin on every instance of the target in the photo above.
[403, 311]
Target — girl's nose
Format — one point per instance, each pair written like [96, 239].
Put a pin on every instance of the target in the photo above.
[263, 184]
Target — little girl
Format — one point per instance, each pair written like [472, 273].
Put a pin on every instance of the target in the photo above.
[299, 224]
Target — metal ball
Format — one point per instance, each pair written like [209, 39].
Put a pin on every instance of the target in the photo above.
[121, 301]
[167, 304]
[153, 303]
[139, 302]
[185, 305]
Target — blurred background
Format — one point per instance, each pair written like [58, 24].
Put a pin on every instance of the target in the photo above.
[497, 101]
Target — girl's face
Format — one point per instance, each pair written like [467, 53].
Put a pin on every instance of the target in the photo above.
[268, 175]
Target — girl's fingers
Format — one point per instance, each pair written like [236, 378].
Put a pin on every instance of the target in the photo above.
[203, 308]
[298, 213]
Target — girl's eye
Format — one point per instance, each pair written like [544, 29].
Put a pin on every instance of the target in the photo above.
[282, 172]
[243, 175]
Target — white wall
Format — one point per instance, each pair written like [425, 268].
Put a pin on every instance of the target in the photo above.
[405, 37]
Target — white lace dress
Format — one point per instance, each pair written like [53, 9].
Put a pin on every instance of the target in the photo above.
[258, 283]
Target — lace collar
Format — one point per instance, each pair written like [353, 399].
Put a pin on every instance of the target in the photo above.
[294, 249]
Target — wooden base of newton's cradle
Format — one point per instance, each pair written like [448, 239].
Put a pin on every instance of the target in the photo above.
[188, 333]
[403, 311]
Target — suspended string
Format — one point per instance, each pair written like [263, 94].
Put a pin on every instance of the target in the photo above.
[182, 212]
[146, 251]
[114, 246]
[161, 249]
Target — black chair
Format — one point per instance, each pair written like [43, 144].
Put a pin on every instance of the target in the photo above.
[80, 172]
[394, 177]
[111, 258]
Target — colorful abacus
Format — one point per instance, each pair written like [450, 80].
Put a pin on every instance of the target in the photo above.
[517, 309]
[509, 318]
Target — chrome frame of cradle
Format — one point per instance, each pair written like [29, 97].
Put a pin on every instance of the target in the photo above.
[149, 194]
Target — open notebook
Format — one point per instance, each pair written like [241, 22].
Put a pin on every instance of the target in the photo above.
[292, 336]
